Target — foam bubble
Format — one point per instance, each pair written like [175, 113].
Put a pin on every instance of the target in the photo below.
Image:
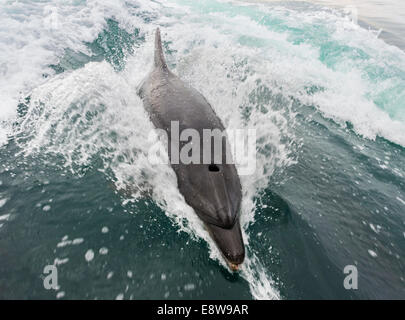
[103, 251]
[372, 253]
[89, 255]
[77, 241]
[60, 295]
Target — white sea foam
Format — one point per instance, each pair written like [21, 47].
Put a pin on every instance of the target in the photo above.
[4, 217]
[34, 35]
[400, 200]
[3, 202]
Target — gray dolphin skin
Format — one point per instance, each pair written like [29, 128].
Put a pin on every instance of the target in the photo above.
[213, 190]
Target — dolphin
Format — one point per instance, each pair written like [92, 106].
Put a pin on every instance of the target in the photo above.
[213, 190]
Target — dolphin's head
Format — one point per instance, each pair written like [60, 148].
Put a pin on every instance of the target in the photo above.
[214, 192]
[230, 243]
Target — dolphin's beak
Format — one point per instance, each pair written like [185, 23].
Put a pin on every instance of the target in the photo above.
[234, 267]
[230, 243]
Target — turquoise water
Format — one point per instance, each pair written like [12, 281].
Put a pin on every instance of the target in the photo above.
[325, 95]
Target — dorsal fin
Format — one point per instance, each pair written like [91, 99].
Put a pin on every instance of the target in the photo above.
[159, 56]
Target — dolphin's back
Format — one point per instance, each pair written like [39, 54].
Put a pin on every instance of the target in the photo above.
[215, 195]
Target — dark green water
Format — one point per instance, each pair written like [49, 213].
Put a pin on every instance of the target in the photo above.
[326, 100]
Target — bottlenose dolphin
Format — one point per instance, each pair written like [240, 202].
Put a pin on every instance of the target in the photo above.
[213, 190]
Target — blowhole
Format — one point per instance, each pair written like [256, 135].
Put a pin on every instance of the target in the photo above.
[213, 168]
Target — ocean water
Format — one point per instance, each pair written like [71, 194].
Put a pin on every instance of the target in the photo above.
[324, 92]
